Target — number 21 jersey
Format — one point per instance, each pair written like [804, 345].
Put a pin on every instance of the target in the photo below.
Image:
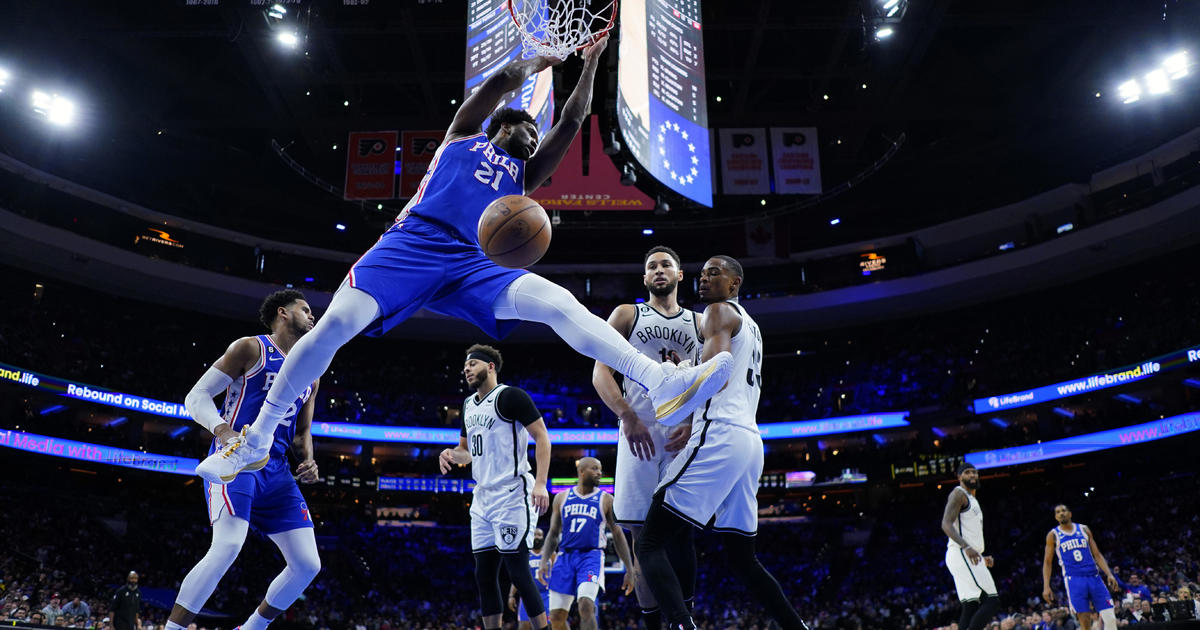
[465, 176]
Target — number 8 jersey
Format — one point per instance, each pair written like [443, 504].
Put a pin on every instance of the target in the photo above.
[496, 435]
[737, 403]
[465, 176]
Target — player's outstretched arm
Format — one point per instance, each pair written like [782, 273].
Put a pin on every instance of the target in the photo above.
[239, 357]
[1047, 567]
[954, 506]
[302, 445]
[542, 164]
[457, 456]
[550, 545]
[622, 545]
[478, 106]
[1109, 578]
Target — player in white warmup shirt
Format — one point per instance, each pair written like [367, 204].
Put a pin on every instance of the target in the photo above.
[663, 330]
[963, 523]
[714, 481]
[498, 421]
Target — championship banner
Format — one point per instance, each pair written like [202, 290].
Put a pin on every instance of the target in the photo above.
[796, 159]
[415, 155]
[599, 188]
[371, 165]
[744, 162]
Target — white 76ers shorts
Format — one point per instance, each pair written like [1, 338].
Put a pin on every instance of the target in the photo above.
[715, 478]
[637, 479]
[503, 517]
[971, 581]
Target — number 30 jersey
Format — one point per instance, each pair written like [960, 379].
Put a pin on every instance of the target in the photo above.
[657, 336]
[499, 445]
[465, 176]
[737, 404]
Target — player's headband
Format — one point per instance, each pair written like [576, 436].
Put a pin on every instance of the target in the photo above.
[965, 466]
[479, 356]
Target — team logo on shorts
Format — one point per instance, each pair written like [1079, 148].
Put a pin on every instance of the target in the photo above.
[508, 534]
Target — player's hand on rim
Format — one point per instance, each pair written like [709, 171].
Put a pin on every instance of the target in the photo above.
[593, 51]
[640, 440]
[306, 472]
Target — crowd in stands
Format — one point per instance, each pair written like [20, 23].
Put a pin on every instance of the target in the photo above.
[875, 566]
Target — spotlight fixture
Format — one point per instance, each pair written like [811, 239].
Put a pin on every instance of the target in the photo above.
[288, 39]
[661, 207]
[612, 146]
[4, 76]
[54, 108]
[628, 175]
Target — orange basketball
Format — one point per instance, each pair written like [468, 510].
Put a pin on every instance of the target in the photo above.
[514, 231]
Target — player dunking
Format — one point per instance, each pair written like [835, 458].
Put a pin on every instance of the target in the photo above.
[267, 498]
[535, 560]
[962, 521]
[498, 421]
[430, 258]
[578, 571]
[659, 329]
[1081, 561]
[714, 481]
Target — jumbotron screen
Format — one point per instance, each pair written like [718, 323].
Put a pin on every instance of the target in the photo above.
[493, 41]
[661, 97]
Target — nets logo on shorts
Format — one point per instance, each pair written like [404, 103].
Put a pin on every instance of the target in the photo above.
[508, 534]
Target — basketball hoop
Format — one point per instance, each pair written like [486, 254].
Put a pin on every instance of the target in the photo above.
[558, 28]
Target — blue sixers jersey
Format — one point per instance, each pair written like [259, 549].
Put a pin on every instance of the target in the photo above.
[1074, 553]
[246, 394]
[465, 176]
[583, 522]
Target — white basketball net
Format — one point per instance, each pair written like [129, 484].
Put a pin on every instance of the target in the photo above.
[557, 28]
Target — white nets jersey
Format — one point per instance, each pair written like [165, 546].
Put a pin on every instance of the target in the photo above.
[737, 404]
[970, 525]
[499, 446]
[657, 336]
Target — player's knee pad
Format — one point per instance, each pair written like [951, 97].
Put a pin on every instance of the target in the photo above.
[588, 591]
[561, 601]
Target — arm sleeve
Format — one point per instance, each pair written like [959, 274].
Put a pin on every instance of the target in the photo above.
[199, 401]
[515, 404]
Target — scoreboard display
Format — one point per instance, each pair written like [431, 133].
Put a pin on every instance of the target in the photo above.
[493, 41]
[661, 97]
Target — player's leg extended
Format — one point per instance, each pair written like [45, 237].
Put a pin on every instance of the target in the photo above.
[229, 533]
[349, 313]
[299, 549]
[740, 556]
[675, 392]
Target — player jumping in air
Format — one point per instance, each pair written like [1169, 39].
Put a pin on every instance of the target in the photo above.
[430, 258]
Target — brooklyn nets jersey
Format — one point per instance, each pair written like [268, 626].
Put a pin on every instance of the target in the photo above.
[737, 404]
[657, 336]
[499, 446]
[970, 525]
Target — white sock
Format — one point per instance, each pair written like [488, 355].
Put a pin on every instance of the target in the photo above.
[171, 625]
[533, 298]
[255, 622]
[351, 311]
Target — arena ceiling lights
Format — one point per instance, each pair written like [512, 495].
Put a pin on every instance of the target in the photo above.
[285, 33]
[56, 109]
[4, 76]
[883, 16]
[1157, 81]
